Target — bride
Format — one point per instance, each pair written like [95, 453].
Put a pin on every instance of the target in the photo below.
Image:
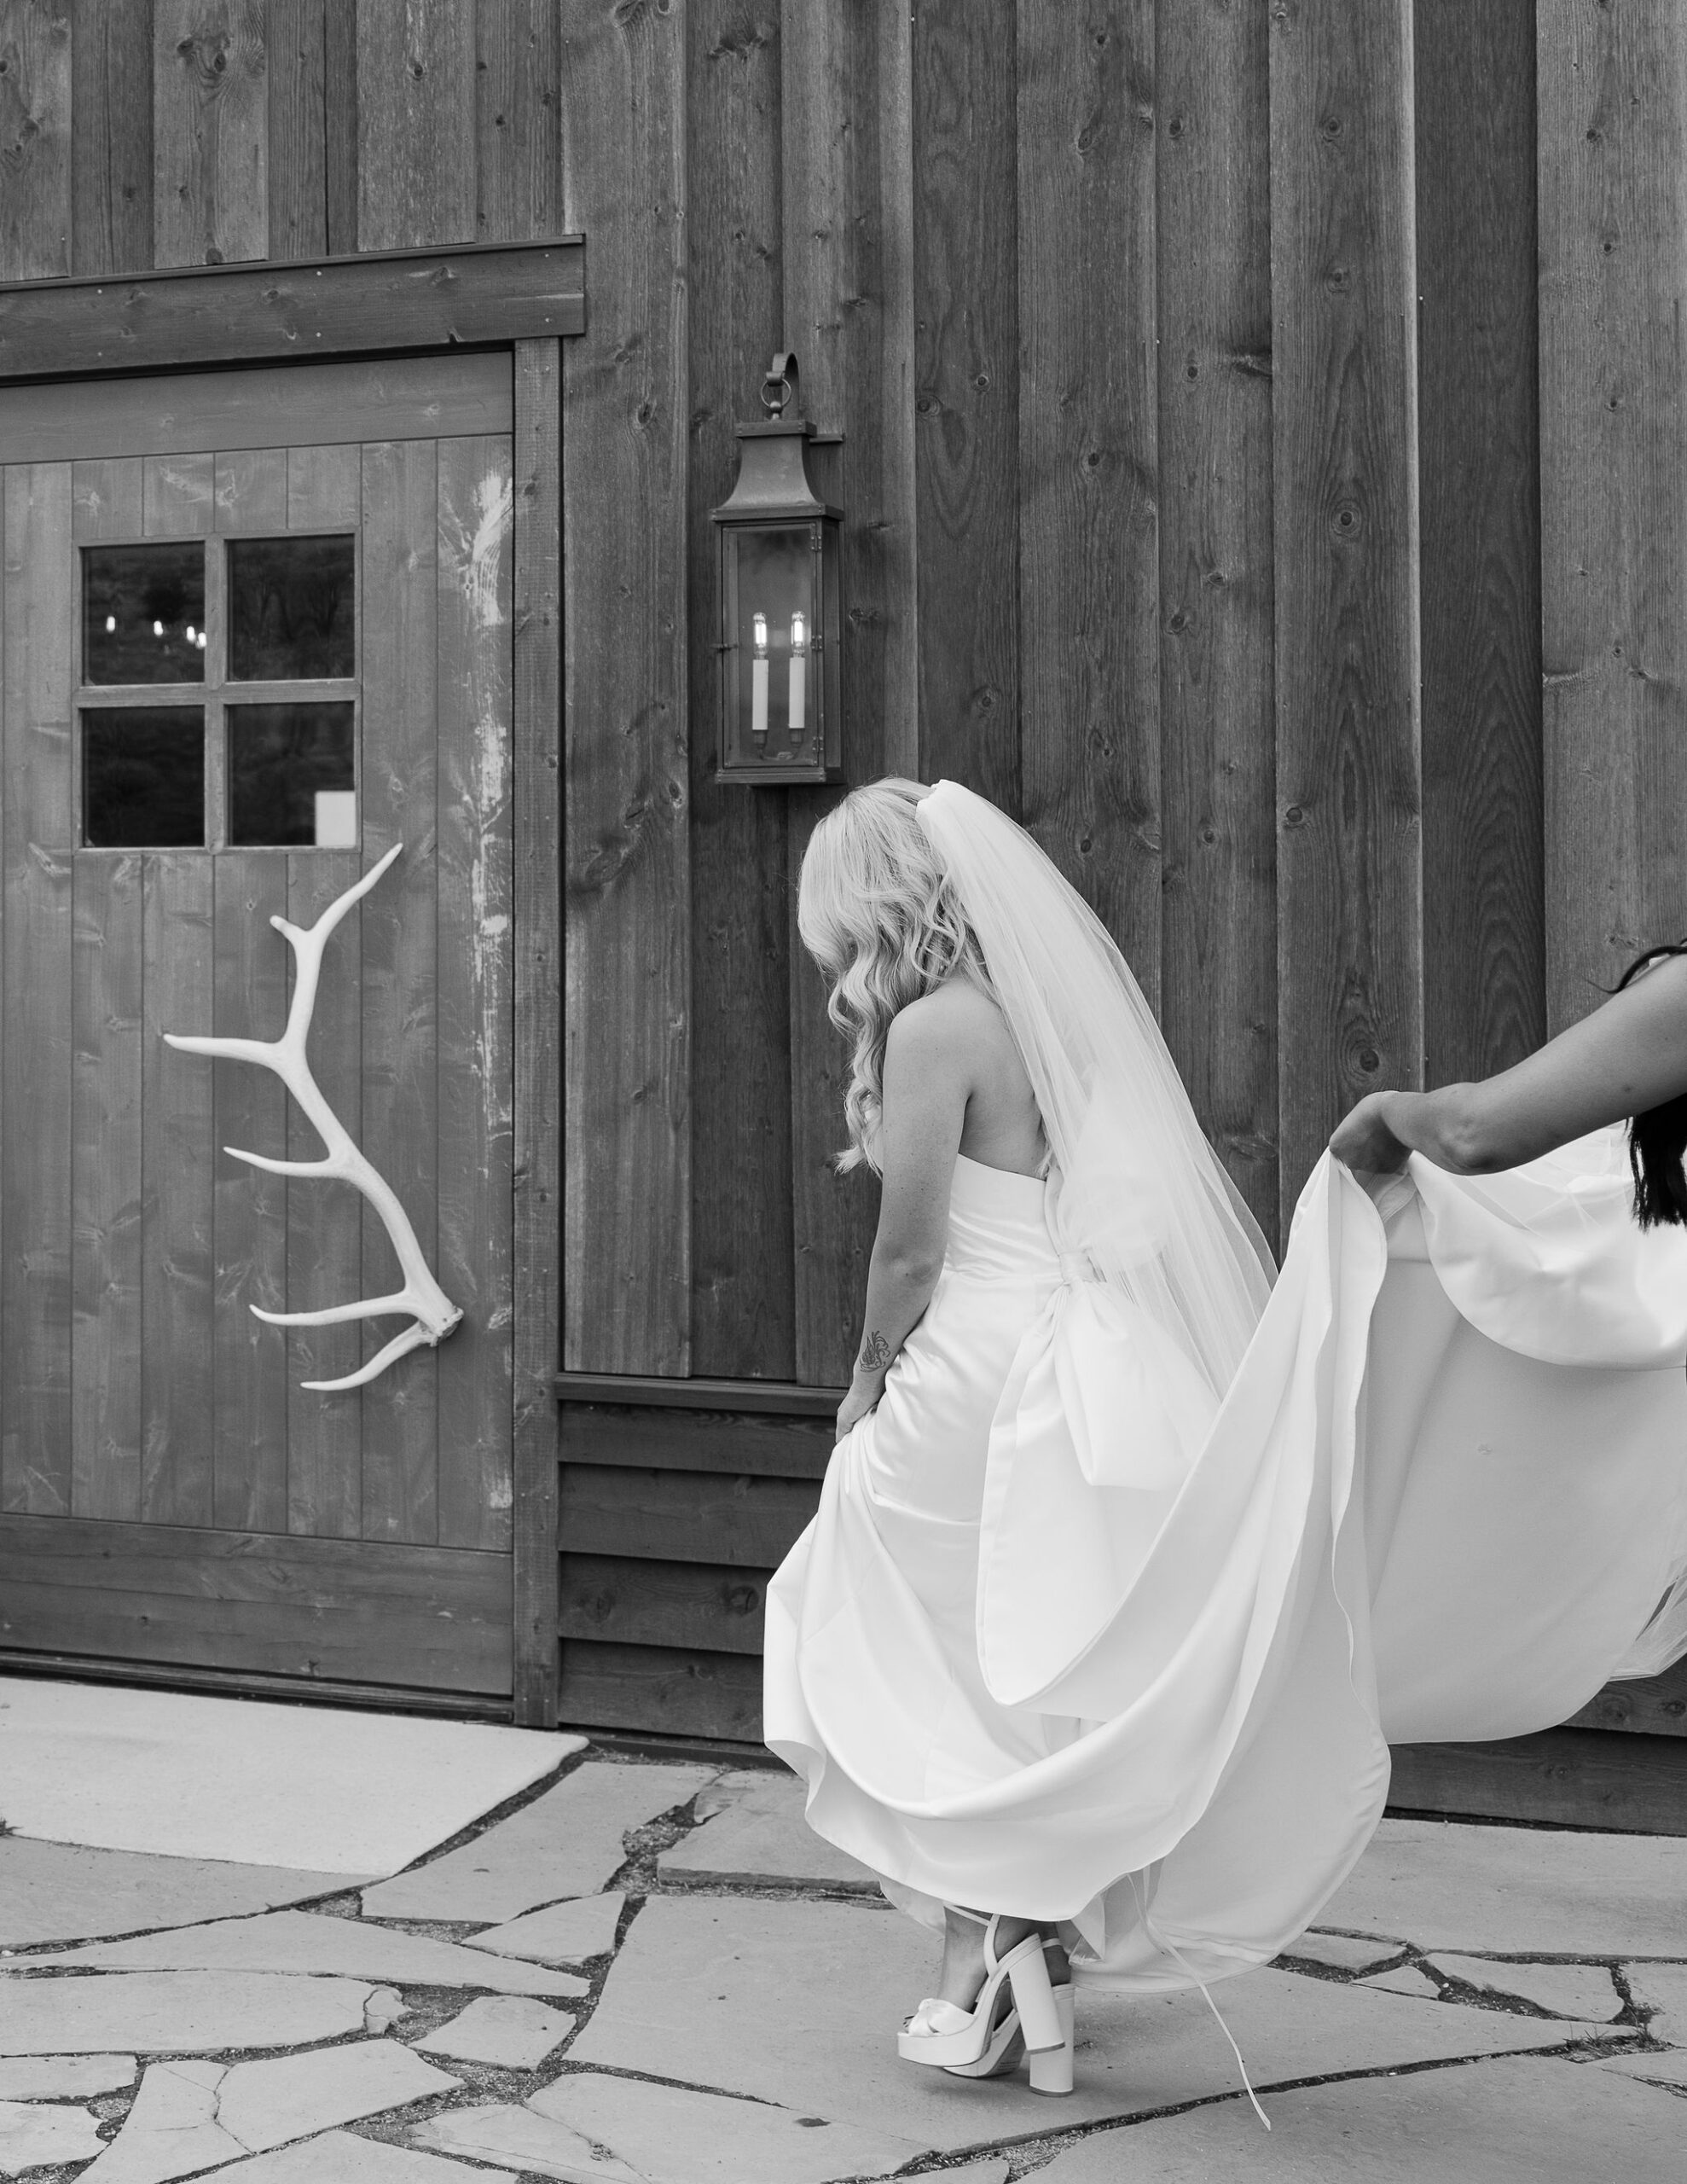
[1128, 1565]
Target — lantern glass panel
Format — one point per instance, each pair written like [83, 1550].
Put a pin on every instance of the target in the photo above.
[778, 694]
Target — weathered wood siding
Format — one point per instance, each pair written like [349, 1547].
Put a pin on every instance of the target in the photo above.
[1262, 475]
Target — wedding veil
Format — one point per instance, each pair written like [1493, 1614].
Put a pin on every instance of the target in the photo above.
[1142, 1202]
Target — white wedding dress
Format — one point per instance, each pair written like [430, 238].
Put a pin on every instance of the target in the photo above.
[1072, 1639]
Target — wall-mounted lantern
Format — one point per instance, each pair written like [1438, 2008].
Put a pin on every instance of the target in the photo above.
[780, 605]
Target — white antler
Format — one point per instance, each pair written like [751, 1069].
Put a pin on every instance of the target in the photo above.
[433, 1313]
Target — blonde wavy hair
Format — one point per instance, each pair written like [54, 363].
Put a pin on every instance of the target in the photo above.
[876, 910]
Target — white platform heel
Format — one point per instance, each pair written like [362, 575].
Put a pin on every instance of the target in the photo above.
[1051, 2067]
[1018, 2011]
[945, 2034]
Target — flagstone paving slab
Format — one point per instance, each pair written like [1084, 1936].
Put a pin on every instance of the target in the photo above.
[1518, 1891]
[1668, 2069]
[755, 1832]
[36, 2138]
[65, 2077]
[63, 1893]
[1579, 1991]
[510, 2030]
[1512, 2121]
[799, 2003]
[567, 1843]
[303, 1941]
[626, 2131]
[563, 1933]
[174, 2012]
[993, 2171]
[1406, 1979]
[1341, 1952]
[343, 2157]
[187, 1775]
[1662, 1987]
[190, 2114]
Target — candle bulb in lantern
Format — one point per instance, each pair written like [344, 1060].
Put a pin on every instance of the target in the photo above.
[758, 683]
[797, 710]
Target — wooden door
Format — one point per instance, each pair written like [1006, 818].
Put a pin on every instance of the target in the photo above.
[257, 628]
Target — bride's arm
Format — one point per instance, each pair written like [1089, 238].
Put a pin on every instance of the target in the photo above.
[927, 1079]
[1629, 1055]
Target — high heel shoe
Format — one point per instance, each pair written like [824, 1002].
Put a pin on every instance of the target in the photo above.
[1051, 2067]
[953, 2039]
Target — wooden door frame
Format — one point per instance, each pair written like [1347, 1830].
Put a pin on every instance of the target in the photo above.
[525, 298]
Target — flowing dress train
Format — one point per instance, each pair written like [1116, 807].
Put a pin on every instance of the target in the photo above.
[1071, 1639]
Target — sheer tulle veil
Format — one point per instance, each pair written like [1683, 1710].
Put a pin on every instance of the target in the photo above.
[1143, 1203]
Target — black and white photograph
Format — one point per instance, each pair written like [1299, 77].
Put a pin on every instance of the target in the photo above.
[843, 1091]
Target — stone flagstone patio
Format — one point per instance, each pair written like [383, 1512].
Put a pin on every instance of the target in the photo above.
[649, 1972]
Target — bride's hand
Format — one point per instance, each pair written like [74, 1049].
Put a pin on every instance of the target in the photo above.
[855, 1407]
[1365, 1140]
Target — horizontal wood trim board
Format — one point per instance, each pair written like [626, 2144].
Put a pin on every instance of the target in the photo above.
[304, 404]
[651, 1392]
[1653, 1705]
[659, 1440]
[393, 300]
[650, 1687]
[1578, 1778]
[624, 1600]
[350, 1611]
[675, 1516]
[252, 1683]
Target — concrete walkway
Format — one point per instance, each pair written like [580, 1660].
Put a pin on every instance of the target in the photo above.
[650, 1973]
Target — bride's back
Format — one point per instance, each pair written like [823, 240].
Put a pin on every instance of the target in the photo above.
[1002, 1127]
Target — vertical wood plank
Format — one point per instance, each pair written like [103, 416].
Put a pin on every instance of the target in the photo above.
[325, 486]
[177, 495]
[415, 122]
[476, 1066]
[177, 1182]
[211, 132]
[249, 1232]
[35, 1039]
[847, 95]
[538, 1117]
[1218, 980]
[249, 489]
[400, 791]
[296, 38]
[35, 155]
[966, 352]
[518, 120]
[1349, 865]
[1612, 147]
[340, 127]
[626, 1298]
[1484, 939]
[740, 959]
[106, 1345]
[106, 498]
[111, 137]
[1088, 482]
[325, 1223]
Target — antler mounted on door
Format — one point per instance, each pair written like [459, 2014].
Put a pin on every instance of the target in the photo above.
[434, 1314]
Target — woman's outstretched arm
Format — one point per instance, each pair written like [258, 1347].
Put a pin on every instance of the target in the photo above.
[927, 1080]
[1627, 1056]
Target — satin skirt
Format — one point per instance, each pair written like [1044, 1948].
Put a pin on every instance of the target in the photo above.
[1071, 1638]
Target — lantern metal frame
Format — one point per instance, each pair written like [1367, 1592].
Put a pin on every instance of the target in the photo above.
[774, 495]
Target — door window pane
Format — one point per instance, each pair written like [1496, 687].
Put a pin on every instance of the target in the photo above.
[143, 613]
[292, 775]
[291, 609]
[143, 777]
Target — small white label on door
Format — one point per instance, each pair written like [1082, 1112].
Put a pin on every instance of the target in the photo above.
[336, 819]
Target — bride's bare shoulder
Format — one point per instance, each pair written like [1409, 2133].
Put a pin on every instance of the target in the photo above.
[955, 1015]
